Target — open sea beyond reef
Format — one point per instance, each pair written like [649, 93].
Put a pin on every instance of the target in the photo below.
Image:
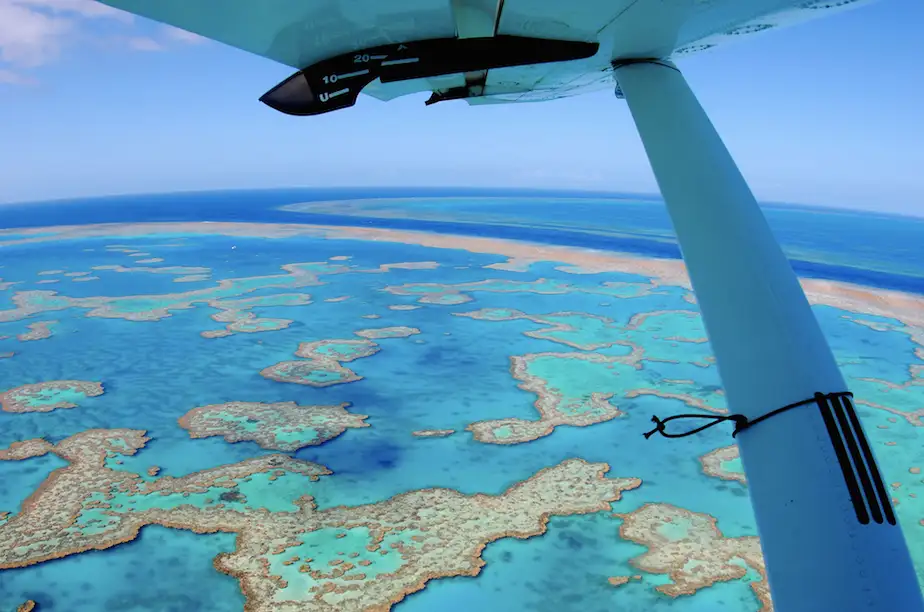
[456, 371]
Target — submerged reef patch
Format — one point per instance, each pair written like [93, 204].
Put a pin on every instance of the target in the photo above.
[652, 336]
[178, 270]
[576, 389]
[48, 396]
[691, 550]
[283, 426]
[447, 295]
[239, 318]
[433, 433]
[322, 365]
[724, 463]
[37, 331]
[387, 332]
[157, 307]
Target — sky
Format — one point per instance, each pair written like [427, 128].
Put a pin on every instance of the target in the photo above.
[94, 101]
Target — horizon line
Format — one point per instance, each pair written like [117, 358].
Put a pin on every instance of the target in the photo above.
[487, 191]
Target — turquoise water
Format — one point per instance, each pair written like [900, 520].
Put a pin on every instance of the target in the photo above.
[454, 373]
[328, 548]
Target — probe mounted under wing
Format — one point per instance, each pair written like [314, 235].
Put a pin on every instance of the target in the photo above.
[335, 83]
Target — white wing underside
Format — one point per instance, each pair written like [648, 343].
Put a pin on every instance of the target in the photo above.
[299, 33]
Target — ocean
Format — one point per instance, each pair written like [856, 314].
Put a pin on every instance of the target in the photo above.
[479, 340]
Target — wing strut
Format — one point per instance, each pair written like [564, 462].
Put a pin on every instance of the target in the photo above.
[827, 527]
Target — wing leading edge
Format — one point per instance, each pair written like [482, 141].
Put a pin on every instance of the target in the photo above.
[314, 36]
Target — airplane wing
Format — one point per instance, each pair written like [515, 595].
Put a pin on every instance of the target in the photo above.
[531, 61]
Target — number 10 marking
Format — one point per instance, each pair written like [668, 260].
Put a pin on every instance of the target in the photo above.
[333, 78]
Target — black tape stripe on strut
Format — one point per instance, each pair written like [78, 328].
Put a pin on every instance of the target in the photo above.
[840, 450]
[873, 488]
[864, 483]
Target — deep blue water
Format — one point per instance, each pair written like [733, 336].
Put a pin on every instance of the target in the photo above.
[880, 250]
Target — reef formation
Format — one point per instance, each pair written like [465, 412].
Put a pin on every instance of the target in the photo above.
[724, 463]
[48, 396]
[289, 555]
[322, 361]
[283, 426]
[692, 551]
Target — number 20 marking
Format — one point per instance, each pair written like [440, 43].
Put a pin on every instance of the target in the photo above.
[360, 58]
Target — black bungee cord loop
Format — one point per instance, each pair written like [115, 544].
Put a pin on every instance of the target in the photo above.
[741, 421]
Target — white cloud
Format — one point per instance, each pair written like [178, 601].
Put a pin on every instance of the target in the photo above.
[85, 8]
[28, 37]
[183, 36]
[35, 32]
[14, 78]
[143, 43]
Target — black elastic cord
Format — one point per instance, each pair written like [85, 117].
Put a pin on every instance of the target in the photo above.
[741, 421]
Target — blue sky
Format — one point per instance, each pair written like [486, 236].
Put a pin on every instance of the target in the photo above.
[95, 102]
